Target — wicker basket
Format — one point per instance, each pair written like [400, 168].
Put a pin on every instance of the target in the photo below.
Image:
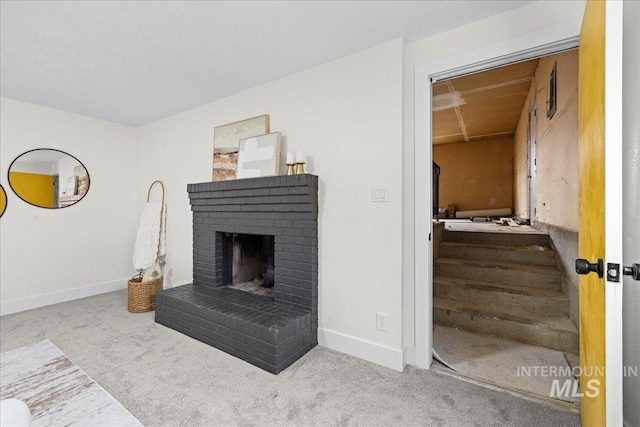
[142, 296]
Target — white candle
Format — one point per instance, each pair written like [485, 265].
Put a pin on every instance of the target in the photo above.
[300, 157]
[290, 159]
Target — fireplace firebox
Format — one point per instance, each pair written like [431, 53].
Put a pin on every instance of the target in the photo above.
[255, 270]
[248, 263]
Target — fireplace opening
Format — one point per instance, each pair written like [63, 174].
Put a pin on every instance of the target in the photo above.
[248, 263]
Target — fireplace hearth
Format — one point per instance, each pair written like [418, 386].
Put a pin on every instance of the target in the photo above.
[255, 270]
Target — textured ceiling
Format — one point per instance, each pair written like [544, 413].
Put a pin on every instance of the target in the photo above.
[139, 61]
[481, 105]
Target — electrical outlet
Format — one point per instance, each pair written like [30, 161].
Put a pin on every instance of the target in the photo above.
[381, 322]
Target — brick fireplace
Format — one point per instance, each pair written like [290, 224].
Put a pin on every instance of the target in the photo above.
[269, 332]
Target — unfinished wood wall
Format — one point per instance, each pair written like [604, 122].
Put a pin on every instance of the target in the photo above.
[476, 174]
[556, 148]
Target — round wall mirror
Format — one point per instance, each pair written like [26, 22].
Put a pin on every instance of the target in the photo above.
[3, 200]
[48, 178]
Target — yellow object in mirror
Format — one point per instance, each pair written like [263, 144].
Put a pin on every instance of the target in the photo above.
[48, 178]
[3, 200]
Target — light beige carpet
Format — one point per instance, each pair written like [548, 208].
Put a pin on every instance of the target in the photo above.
[167, 379]
[56, 390]
[507, 364]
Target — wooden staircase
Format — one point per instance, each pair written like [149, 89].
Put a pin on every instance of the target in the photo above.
[504, 285]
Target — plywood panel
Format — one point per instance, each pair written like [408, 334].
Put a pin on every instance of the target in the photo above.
[439, 89]
[446, 123]
[487, 103]
[522, 70]
[476, 175]
[448, 139]
[517, 89]
[476, 112]
[487, 130]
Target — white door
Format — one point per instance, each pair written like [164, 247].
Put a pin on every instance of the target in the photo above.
[631, 167]
[531, 153]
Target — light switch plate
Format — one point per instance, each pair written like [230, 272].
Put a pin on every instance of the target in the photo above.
[379, 194]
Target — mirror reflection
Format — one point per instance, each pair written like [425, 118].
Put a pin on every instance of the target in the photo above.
[48, 178]
[3, 200]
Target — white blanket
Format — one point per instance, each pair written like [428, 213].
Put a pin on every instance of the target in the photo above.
[145, 250]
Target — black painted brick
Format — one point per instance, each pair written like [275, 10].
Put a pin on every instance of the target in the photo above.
[263, 332]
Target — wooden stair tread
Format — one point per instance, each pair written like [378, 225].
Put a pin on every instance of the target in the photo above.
[500, 287]
[522, 248]
[499, 265]
[508, 231]
[497, 237]
[513, 315]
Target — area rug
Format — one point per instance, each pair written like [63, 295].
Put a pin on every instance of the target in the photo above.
[56, 390]
[534, 370]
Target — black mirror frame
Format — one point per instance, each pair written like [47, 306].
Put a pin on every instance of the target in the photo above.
[3, 209]
[44, 207]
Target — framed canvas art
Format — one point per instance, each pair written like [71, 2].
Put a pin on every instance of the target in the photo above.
[226, 143]
[259, 156]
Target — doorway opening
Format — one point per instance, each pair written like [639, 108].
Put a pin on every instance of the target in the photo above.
[502, 297]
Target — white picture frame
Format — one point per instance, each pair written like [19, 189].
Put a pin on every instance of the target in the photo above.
[259, 156]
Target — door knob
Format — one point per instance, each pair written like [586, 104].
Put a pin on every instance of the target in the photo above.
[585, 267]
[633, 271]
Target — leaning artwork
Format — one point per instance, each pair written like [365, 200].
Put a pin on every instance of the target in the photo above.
[226, 143]
[259, 156]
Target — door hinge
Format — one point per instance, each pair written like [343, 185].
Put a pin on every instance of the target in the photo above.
[429, 236]
[613, 272]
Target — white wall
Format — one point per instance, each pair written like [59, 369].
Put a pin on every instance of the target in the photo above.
[54, 252]
[631, 218]
[37, 168]
[498, 28]
[347, 115]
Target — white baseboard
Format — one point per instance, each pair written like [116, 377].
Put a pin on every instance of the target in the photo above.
[382, 355]
[24, 304]
[409, 356]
